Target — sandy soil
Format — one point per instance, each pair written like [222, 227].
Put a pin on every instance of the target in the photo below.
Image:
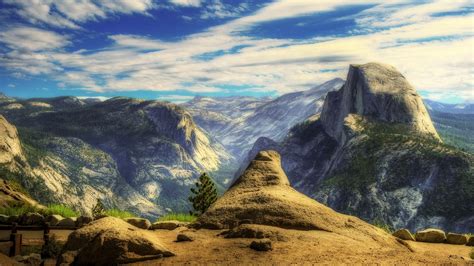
[302, 247]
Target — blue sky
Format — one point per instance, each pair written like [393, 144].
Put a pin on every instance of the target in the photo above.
[175, 49]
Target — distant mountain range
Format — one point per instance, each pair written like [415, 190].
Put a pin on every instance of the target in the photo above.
[467, 108]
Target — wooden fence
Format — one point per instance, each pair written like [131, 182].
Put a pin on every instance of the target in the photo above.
[16, 239]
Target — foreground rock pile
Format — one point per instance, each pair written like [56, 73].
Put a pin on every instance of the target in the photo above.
[432, 235]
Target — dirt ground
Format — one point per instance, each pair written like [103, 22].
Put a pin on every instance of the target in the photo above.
[302, 247]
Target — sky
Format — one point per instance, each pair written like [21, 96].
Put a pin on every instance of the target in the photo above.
[176, 49]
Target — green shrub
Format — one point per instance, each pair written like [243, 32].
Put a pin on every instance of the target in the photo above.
[203, 195]
[62, 210]
[18, 210]
[118, 213]
[98, 209]
[380, 224]
[182, 217]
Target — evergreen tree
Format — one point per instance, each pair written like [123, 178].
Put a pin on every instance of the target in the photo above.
[98, 209]
[204, 194]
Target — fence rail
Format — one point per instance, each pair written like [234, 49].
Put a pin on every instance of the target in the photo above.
[16, 239]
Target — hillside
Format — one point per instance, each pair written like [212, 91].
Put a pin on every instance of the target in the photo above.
[144, 152]
[374, 153]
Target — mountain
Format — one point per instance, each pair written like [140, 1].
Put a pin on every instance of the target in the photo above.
[373, 152]
[455, 129]
[467, 108]
[142, 155]
[237, 122]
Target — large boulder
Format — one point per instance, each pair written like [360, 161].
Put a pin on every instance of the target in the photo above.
[431, 235]
[263, 195]
[404, 234]
[111, 241]
[83, 220]
[139, 222]
[167, 225]
[32, 218]
[68, 222]
[54, 219]
[4, 219]
[456, 239]
[470, 241]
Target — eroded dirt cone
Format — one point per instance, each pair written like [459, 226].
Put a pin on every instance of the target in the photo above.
[263, 195]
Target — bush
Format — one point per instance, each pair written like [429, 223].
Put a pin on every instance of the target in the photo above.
[50, 210]
[182, 217]
[118, 213]
[98, 209]
[18, 210]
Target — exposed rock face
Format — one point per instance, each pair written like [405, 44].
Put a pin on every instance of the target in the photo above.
[377, 92]
[111, 241]
[10, 146]
[379, 168]
[10, 196]
[263, 196]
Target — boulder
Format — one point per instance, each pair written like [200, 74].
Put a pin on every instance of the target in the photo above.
[470, 241]
[404, 234]
[255, 231]
[54, 219]
[167, 225]
[111, 241]
[83, 220]
[33, 259]
[184, 237]
[68, 222]
[13, 219]
[431, 235]
[4, 219]
[456, 239]
[139, 222]
[261, 245]
[32, 218]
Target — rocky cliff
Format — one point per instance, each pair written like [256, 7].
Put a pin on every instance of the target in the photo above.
[374, 153]
[133, 152]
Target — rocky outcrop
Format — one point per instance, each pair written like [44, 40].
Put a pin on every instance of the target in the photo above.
[404, 234]
[263, 196]
[377, 92]
[456, 239]
[10, 146]
[111, 241]
[388, 168]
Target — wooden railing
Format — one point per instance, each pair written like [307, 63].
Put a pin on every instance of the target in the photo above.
[16, 239]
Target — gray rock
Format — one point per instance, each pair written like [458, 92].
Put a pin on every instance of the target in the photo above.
[83, 220]
[470, 241]
[431, 235]
[4, 219]
[33, 259]
[54, 219]
[69, 222]
[184, 237]
[32, 218]
[456, 239]
[404, 234]
[167, 225]
[139, 222]
[261, 245]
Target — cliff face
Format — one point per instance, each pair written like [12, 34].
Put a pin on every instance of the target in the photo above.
[373, 154]
[9, 143]
[141, 155]
[378, 92]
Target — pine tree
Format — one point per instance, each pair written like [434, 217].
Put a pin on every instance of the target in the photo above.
[98, 209]
[204, 194]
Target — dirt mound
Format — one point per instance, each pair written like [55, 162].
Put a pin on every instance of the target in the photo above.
[111, 241]
[262, 195]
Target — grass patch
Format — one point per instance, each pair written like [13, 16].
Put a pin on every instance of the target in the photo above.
[119, 213]
[18, 210]
[62, 210]
[380, 224]
[182, 217]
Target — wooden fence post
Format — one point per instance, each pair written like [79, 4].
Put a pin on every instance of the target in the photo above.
[16, 238]
[46, 234]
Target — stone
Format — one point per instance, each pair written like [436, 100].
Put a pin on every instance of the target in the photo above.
[261, 245]
[431, 235]
[32, 218]
[13, 219]
[139, 222]
[184, 237]
[111, 241]
[54, 219]
[456, 239]
[4, 219]
[33, 259]
[83, 220]
[470, 241]
[68, 222]
[404, 234]
[167, 225]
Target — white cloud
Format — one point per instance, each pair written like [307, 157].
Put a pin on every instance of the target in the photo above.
[11, 85]
[193, 3]
[32, 39]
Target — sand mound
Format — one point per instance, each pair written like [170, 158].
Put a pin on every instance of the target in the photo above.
[262, 195]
